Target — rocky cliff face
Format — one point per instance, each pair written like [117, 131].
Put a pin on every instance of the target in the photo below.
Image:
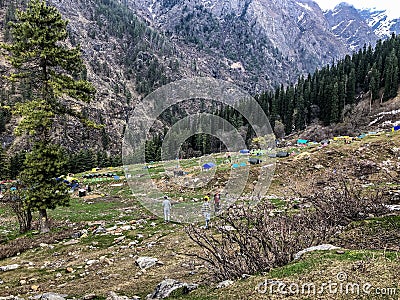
[265, 42]
[358, 27]
[350, 26]
[381, 23]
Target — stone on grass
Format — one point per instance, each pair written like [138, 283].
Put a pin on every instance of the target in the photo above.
[167, 286]
[71, 242]
[91, 262]
[224, 283]
[89, 296]
[315, 248]
[9, 267]
[49, 296]
[145, 262]
[99, 230]
[114, 296]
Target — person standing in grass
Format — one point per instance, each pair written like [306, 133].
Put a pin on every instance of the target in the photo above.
[217, 202]
[167, 209]
[206, 210]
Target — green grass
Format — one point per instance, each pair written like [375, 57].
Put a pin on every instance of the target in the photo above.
[278, 203]
[80, 211]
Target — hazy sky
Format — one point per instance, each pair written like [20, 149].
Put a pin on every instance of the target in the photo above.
[391, 6]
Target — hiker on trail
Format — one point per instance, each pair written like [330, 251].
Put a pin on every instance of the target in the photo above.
[217, 202]
[167, 209]
[206, 210]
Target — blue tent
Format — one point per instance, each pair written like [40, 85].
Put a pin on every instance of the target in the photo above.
[396, 128]
[208, 165]
[242, 164]
[302, 142]
[235, 166]
[244, 151]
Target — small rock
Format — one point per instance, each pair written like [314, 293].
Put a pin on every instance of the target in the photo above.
[340, 252]
[111, 228]
[71, 242]
[126, 227]
[11, 297]
[22, 282]
[119, 239]
[91, 262]
[49, 296]
[99, 230]
[35, 288]
[145, 262]
[9, 267]
[89, 296]
[224, 284]
[69, 270]
[167, 286]
[114, 296]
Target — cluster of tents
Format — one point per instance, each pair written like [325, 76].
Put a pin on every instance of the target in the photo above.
[98, 175]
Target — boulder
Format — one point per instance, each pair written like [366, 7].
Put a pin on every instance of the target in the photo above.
[145, 262]
[224, 284]
[114, 296]
[167, 286]
[9, 267]
[49, 296]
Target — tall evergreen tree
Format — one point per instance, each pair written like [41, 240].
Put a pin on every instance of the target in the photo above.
[391, 75]
[39, 57]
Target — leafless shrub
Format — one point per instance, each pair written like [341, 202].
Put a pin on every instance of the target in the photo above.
[342, 203]
[20, 208]
[248, 240]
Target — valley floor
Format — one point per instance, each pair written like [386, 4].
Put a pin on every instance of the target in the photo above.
[96, 241]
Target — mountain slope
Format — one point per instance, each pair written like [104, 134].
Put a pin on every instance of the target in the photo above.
[379, 21]
[350, 26]
[268, 42]
[356, 27]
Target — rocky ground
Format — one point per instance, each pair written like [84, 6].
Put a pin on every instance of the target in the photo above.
[106, 245]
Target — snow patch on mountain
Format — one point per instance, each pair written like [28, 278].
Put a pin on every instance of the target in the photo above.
[304, 5]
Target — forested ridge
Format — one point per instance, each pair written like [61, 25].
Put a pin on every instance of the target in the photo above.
[330, 92]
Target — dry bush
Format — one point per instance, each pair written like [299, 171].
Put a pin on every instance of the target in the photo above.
[249, 240]
[24, 214]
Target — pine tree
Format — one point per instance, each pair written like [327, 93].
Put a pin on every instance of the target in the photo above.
[391, 75]
[39, 57]
[42, 166]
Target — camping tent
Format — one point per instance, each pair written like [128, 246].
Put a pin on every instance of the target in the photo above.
[208, 165]
[244, 151]
[302, 142]
[395, 128]
[235, 166]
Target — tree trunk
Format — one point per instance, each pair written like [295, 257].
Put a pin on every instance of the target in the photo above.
[43, 221]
